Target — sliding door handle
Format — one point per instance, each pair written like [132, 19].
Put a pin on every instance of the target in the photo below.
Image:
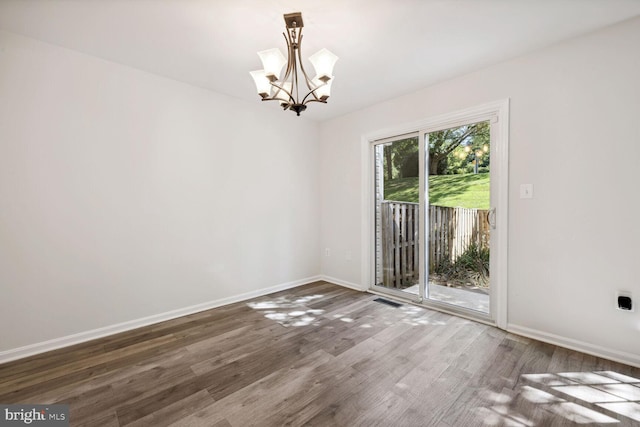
[491, 218]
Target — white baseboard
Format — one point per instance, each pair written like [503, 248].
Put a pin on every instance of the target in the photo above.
[344, 283]
[45, 346]
[584, 347]
[56, 343]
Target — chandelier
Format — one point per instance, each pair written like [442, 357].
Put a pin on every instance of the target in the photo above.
[286, 90]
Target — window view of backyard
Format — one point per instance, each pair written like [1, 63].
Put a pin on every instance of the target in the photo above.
[458, 208]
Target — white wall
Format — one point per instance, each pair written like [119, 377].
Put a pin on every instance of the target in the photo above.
[575, 109]
[125, 195]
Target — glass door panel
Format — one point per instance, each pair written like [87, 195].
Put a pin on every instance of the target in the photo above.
[458, 214]
[397, 178]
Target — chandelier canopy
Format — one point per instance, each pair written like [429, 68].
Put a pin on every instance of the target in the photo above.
[286, 90]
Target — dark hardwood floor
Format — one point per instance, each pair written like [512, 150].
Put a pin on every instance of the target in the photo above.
[323, 355]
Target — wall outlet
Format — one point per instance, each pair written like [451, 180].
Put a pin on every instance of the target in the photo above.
[624, 301]
[327, 252]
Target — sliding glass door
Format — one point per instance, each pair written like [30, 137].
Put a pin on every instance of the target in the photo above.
[435, 220]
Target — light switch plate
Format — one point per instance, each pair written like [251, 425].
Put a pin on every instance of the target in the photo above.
[526, 191]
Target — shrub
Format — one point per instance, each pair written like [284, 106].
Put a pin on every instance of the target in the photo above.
[472, 267]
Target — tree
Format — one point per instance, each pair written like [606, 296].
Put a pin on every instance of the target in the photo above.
[462, 159]
[443, 143]
[447, 153]
[396, 155]
[388, 161]
[405, 150]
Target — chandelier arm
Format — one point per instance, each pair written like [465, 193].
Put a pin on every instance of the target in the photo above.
[315, 97]
[297, 42]
[294, 83]
[287, 72]
[308, 81]
[304, 72]
[291, 72]
[280, 88]
[284, 78]
[285, 106]
[315, 100]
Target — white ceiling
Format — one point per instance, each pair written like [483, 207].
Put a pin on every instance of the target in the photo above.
[386, 48]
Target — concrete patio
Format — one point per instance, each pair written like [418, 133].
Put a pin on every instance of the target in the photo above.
[474, 300]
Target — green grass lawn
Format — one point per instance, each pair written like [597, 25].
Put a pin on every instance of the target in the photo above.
[466, 190]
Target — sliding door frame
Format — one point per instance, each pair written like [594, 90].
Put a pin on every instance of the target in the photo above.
[498, 114]
[417, 298]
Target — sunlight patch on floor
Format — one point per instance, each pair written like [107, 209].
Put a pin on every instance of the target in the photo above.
[581, 415]
[628, 409]
[587, 377]
[289, 312]
[548, 379]
[293, 312]
[581, 396]
[502, 416]
[534, 395]
[598, 397]
[586, 393]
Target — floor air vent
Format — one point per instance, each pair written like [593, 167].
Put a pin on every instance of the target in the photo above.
[388, 302]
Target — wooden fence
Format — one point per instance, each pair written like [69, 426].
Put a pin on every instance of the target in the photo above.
[399, 244]
[451, 231]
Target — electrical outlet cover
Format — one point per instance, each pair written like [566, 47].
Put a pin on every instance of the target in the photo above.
[624, 301]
